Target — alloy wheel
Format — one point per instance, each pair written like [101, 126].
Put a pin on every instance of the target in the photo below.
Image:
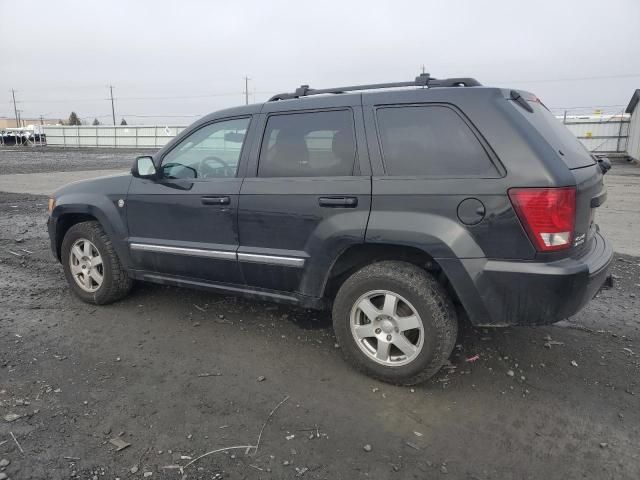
[387, 328]
[86, 265]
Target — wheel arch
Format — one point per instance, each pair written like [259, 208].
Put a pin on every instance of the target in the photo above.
[358, 256]
[457, 278]
[65, 222]
[66, 215]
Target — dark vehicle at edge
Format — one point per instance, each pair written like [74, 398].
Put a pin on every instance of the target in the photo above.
[399, 206]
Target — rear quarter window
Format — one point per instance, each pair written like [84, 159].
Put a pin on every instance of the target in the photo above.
[573, 153]
[431, 141]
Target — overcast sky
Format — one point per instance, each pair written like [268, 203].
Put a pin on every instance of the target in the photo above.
[62, 55]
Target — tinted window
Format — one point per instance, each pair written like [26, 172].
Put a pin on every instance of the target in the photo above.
[314, 144]
[430, 141]
[212, 151]
[559, 136]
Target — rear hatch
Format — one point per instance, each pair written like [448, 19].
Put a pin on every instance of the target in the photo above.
[590, 189]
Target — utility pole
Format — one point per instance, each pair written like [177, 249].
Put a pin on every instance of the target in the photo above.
[15, 109]
[113, 110]
[246, 90]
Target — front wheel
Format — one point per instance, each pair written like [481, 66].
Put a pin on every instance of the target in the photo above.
[395, 322]
[91, 265]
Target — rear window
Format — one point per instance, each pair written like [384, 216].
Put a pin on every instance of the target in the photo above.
[430, 141]
[572, 152]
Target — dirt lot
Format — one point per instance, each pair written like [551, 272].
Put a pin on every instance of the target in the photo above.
[52, 159]
[179, 373]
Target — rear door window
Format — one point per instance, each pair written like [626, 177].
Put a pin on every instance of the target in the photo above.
[311, 144]
[431, 141]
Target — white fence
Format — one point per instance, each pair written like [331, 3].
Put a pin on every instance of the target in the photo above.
[600, 134]
[147, 136]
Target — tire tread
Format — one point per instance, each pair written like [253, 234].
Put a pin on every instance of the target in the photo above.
[422, 284]
[120, 282]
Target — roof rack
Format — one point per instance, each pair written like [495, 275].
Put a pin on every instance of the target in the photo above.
[422, 80]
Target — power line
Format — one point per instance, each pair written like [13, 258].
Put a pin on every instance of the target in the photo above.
[176, 97]
[245, 92]
[180, 97]
[575, 79]
[63, 100]
[163, 116]
[246, 95]
[591, 106]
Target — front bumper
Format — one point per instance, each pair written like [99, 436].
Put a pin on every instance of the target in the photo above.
[51, 228]
[532, 293]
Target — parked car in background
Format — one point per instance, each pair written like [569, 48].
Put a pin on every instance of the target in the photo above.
[22, 136]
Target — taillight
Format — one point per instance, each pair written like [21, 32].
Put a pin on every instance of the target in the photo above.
[548, 215]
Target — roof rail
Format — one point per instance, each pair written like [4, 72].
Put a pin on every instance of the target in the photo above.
[422, 80]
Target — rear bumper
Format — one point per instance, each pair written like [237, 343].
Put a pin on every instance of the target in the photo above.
[501, 293]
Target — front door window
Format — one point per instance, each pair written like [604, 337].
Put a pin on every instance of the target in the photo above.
[212, 151]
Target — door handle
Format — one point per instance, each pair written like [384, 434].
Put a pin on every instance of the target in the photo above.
[215, 200]
[337, 202]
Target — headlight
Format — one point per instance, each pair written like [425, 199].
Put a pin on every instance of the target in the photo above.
[52, 204]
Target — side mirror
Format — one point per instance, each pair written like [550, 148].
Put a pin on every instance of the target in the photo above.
[144, 167]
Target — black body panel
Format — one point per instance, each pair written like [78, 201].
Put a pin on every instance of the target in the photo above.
[279, 238]
[294, 223]
[314, 219]
[499, 293]
[173, 213]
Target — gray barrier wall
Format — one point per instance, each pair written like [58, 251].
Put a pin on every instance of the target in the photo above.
[153, 136]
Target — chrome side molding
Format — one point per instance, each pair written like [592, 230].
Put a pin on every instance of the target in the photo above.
[192, 252]
[271, 259]
[220, 254]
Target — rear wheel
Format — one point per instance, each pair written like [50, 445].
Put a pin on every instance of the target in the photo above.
[395, 322]
[91, 265]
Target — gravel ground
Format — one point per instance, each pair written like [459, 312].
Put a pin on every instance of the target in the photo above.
[48, 159]
[178, 373]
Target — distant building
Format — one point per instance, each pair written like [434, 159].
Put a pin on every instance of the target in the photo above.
[633, 146]
[11, 122]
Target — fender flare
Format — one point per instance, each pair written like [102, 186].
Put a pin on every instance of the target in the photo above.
[104, 211]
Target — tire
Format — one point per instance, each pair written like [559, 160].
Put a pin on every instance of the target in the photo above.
[115, 283]
[417, 292]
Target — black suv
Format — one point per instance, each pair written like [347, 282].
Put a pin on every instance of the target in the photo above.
[401, 206]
